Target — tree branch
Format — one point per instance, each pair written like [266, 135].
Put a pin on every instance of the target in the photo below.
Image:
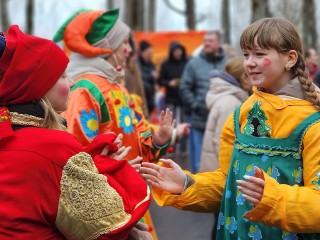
[174, 8]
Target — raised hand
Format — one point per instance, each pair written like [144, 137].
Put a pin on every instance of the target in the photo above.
[169, 177]
[164, 132]
[252, 189]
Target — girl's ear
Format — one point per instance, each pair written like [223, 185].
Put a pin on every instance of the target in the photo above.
[292, 59]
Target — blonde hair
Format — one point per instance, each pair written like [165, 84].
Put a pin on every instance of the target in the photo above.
[281, 35]
[52, 120]
[234, 67]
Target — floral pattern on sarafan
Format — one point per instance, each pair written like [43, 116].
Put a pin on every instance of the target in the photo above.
[289, 236]
[231, 224]
[255, 232]
[297, 174]
[316, 182]
[89, 122]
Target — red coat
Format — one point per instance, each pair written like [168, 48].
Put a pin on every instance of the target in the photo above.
[35, 165]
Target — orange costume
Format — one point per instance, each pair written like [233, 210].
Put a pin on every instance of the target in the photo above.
[98, 101]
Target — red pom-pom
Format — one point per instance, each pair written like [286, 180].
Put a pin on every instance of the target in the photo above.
[131, 104]
[117, 101]
[170, 149]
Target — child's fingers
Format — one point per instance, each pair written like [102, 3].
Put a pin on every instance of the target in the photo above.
[255, 180]
[137, 160]
[251, 199]
[151, 165]
[250, 193]
[250, 186]
[148, 171]
[150, 177]
[168, 163]
[123, 154]
[258, 173]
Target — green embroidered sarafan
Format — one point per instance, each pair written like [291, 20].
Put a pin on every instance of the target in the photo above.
[256, 125]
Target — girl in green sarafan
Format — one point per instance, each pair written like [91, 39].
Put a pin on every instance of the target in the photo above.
[268, 184]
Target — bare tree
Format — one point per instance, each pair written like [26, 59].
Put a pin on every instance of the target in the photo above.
[135, 14]
[189, 13]
[151, 15]
[110, 4]
[29, 16]
[260, 9]
[191, 17]
[309, 30]
[4, 15]
[226, 20]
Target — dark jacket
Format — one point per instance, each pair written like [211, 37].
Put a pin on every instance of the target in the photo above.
[146, 69]
[170, 69]
[195, 84]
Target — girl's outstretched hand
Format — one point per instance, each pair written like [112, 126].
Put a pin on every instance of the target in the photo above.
[166, 125]
[168, 177]
[252, 189]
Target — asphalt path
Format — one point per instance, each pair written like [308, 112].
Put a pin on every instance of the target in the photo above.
[175, 224]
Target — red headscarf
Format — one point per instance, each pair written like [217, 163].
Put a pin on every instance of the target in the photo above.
[29, 67]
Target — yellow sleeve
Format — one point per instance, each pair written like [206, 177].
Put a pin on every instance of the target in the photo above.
[294, 208]
[202, 196]
[206, 193]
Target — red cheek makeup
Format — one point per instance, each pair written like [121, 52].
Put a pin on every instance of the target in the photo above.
[266, 62]
[63, 89]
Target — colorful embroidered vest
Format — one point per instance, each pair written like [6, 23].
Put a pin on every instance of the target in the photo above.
[280, 158]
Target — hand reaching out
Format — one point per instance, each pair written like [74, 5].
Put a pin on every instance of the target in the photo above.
[252, 189]
[166, 125]
[169, 177]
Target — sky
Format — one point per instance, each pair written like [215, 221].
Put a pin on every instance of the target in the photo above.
[50, 14]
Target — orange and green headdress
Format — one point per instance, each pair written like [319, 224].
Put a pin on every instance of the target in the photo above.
[93, 32]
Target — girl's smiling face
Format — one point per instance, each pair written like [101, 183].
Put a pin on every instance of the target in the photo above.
[266, 68]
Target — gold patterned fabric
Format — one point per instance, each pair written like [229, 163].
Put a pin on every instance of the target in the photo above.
[88, 205]
[25, 120]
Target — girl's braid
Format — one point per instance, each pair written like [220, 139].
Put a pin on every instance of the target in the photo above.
[307, 83]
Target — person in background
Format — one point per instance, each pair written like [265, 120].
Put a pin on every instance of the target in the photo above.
[149, 73]
[312, 61]
[169, 78]
[134, 84]
[133, 80]
[193, 88]
[228, 90]
[52, 187]
[268, 183]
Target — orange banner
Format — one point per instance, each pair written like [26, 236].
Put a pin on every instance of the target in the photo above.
[160, 42]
